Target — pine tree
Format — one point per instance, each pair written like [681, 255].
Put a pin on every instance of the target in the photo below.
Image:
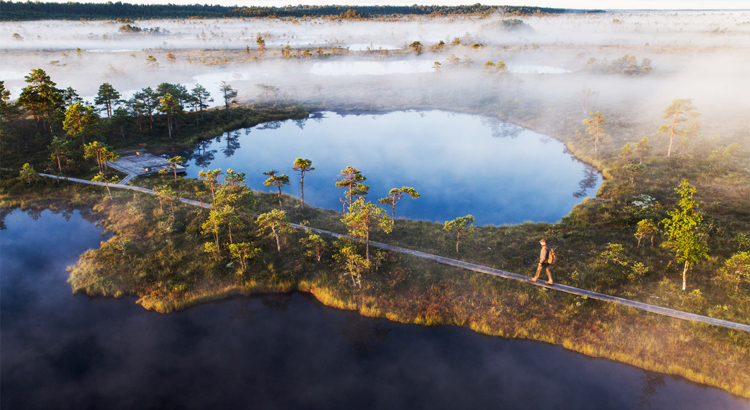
[107, 97]
[364, 218]
[302, 166]
[596, 128]
[396, 194]
[460, 226]
[679, 111]
[685, 230]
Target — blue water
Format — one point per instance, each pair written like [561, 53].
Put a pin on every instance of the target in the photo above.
[460, 164]
[60, 351]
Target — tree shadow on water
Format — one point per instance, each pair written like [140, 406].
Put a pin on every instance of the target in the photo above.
[590, 178]
[649, 385]
[277, 301]
[363, 334]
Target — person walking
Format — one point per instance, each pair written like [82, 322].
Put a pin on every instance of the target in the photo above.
[544, 262]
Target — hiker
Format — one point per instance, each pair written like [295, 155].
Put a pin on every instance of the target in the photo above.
[546, 258]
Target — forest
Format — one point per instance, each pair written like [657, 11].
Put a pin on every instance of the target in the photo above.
[16, 11]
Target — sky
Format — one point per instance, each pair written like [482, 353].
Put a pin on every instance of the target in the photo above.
[570, 4]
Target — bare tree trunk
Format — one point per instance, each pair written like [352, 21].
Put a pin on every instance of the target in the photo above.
[458, 240]
[684, 276]
[671, 139]
[739, 275]
[367, 245]
[230, 233]
[393, 211]
[671, 136]
[302, 187]
[278, 244]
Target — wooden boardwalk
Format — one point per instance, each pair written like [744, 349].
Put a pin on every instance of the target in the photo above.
[477, 268]
[127, 179]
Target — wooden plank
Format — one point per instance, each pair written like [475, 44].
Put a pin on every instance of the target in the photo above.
[476, 268]
[563, 288]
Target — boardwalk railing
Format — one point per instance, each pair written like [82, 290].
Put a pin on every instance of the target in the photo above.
[476, 268]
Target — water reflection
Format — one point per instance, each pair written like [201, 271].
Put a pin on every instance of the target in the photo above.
[232, 143]
[590, 180]
[4, 212]
[502, 129]
[271, 125]
[272, 351]
[363, 334]
[202, 157]
[460, 164]
[650, 383]
[277, 301]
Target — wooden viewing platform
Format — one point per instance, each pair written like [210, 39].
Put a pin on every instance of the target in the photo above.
[477, 268]
[142, 164]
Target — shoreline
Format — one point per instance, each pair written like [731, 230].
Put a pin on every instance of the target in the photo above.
[330, 297]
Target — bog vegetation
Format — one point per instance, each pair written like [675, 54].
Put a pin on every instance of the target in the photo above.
[656, 232]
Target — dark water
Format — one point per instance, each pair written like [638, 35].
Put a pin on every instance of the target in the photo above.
[277, 351]
[461, 164]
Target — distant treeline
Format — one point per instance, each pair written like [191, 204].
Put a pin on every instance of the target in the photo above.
[92, 11]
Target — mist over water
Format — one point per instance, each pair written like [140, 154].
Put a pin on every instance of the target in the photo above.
[58, 350]
[694, 54]
[273, 351]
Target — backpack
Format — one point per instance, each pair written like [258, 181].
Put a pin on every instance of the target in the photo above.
[551, 257]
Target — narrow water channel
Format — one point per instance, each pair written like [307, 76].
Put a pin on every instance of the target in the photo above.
[62, 351]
